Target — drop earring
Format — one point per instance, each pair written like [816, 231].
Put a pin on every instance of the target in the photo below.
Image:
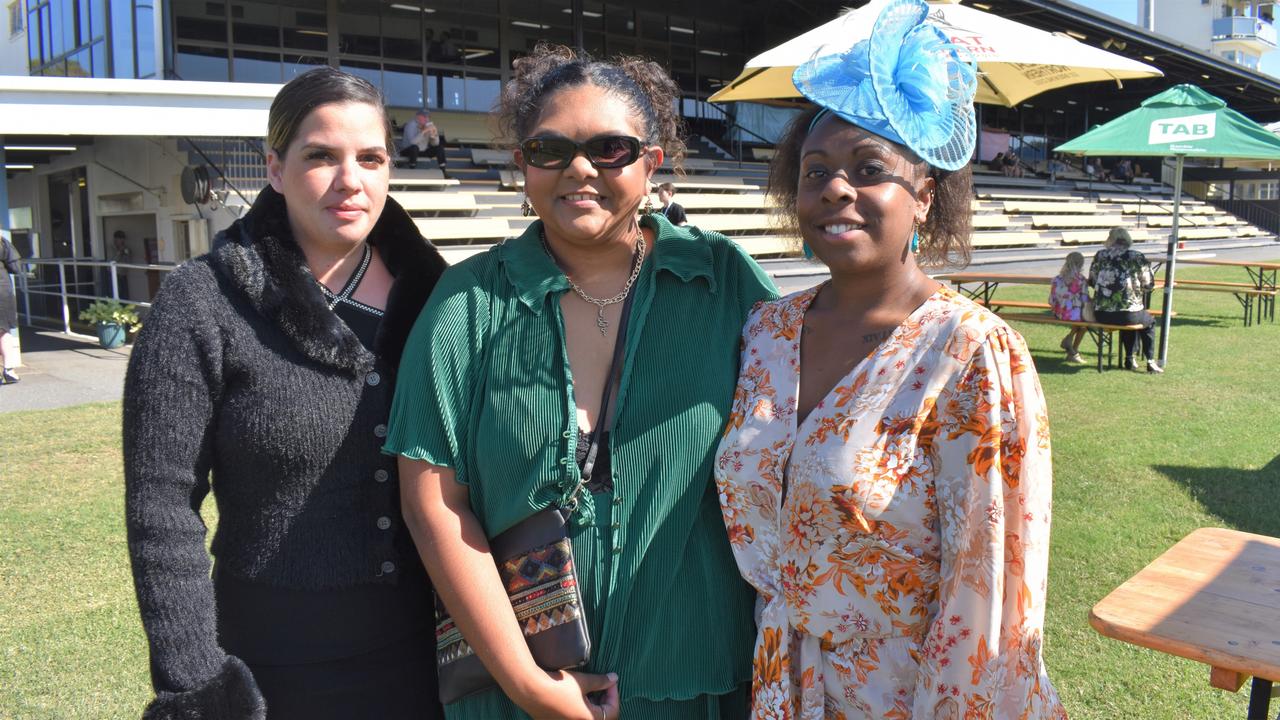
[808, 253]
[915, 237]
[525, 208]
[648, 205]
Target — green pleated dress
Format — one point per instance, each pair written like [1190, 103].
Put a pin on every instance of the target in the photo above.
[485, 389]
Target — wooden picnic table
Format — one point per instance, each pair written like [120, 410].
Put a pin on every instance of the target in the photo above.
[1261, 274]
[988, 283]
[1214, 597]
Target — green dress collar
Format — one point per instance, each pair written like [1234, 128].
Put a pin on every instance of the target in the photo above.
[534, 274]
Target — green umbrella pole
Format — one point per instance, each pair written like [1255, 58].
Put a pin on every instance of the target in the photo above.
[1170, 258]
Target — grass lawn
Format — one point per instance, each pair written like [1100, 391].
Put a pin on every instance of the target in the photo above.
[1140, 462]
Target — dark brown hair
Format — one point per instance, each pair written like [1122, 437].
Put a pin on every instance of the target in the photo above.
[944, 236]
[645, 87]
[310, 90]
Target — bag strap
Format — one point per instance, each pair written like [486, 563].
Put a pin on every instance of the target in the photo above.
[593, 444]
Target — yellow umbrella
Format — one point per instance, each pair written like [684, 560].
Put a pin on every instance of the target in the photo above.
[1015, 61]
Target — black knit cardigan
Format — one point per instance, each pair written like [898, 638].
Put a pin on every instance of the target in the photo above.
[243, 379]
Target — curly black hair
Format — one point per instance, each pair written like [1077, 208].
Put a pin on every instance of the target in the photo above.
[944, 236]
[642, 84]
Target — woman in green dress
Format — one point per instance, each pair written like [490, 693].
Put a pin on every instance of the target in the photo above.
[502, 385]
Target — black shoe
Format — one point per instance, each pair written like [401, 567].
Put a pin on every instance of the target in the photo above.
[8, 378]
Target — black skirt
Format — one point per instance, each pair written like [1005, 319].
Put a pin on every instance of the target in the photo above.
[392, 683]
[8, 306]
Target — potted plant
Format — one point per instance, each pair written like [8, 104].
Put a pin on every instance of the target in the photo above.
[113, 319]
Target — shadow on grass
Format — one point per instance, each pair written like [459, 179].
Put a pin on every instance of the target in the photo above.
[1221, 322]
[1242, 498]
[1049, 365]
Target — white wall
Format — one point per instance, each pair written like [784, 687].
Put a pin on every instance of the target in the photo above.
[1188, 21]
[13, 47]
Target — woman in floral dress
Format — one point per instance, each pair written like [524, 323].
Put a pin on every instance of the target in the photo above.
[1068, 298]
[885, 474]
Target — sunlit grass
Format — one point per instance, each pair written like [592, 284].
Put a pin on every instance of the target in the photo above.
[1140, 461]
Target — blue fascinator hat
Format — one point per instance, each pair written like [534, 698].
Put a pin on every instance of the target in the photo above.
[907, 82]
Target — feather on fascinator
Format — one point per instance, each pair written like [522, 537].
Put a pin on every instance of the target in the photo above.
[907, 82]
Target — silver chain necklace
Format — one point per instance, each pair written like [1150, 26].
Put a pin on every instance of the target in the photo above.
[602, 303]
[332, 299]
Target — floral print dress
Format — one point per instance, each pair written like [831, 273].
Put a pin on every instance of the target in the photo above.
[898, 537]
[1067, 297]
[1121, 277]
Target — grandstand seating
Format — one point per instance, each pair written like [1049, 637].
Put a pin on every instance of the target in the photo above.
[468, 214]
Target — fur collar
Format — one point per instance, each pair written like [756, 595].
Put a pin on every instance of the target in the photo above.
[258, 256]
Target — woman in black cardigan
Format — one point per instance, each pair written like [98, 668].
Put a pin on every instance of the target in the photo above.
[265, 372]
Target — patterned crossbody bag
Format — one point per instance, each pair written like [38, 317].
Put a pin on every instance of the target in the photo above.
[535, 562]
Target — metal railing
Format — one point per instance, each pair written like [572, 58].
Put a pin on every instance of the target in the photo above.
[239, 163]
[64, 279]
[1253, 212]
[1244, 28]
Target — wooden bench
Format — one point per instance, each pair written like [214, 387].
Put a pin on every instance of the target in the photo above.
[491, 158]
[757, 223]
[1037, 197]
[422, 184]
[1243, 293]
[706, 183]
[995, 304]
[1101, 333]
[1083, 237]
[510, 180]
[695, 166]
[988, 221]
[1007, 239]
[463, 231]
[409, 175]
[767, 245]
[1075, 221]
[1036, 206]
[721, 201]
[437, 204]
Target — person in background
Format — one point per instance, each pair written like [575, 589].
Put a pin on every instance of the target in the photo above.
[121, 253]
[422, 137]
[9, 269]
[1012, 165]
[1123, 171]
[1068, 296]
[1121, 278]
[672, 210]
[997, 162]
[511, 402]
[885, 473]
[264, 374]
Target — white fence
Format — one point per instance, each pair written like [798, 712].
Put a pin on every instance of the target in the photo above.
[70, 285]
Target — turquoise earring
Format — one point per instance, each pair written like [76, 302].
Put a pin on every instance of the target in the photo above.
[807, 252]
[915, 241]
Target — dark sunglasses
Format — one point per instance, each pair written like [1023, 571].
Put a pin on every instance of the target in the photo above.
[607, 152]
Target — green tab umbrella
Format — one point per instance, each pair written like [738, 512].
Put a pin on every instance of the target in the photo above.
[1183, 120]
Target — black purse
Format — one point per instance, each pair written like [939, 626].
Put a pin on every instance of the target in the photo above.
[535, 561]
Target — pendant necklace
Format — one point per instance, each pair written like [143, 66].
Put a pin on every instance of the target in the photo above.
[602, 303]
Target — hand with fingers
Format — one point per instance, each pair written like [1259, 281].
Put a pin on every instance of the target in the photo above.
[568, 695]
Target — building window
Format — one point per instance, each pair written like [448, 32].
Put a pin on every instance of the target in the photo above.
[15, 18]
